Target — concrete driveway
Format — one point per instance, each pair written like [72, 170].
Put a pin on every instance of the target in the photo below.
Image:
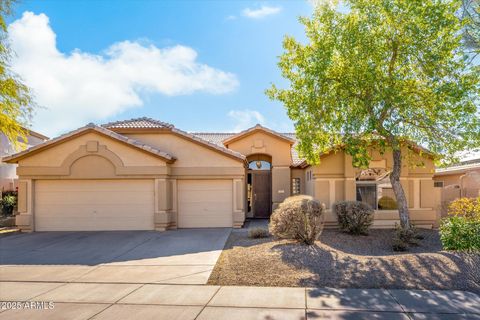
[184, 256]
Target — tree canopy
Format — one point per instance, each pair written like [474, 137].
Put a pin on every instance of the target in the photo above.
[384, 70]
[471, 13]
[16, 104]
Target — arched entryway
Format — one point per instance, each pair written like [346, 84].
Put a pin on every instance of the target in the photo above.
[259, 186]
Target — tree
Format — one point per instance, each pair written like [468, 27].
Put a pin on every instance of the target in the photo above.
[471, 13]
[387, 74]
[16, 104]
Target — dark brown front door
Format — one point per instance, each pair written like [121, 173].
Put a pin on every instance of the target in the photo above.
[262, 194]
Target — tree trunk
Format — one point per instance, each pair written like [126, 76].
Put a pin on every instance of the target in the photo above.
[398, 190]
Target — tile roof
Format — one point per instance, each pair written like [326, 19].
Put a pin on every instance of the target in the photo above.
[459, 167]
[138, 123]
[217, 146]
[149, 123]
[255, 128]
[219, 137]
[99, 129]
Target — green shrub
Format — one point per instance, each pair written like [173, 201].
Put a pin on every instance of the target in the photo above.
[257, 233]
[387, 203]
[298, 217]
[8, 202]
[460, 233]
[354, 217]
[460, 230]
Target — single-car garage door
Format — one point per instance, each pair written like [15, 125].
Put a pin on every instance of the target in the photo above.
[85, 205]
[204, 203]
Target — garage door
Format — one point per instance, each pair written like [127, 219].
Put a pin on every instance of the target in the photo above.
[85, 205]
[204, 203]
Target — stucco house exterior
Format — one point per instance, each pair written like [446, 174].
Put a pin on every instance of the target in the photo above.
[459, 180]
[8, 175]
[144, 174]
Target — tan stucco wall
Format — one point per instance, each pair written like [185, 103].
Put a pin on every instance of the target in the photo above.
[188, 153]
[448, 180]
[55, 156]
[458, 184]
[334, 180]
[263, 143]
[281, 185]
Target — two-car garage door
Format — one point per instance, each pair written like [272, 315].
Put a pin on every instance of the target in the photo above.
[87, 205]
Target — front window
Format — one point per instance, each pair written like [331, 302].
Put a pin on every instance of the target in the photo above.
[374, 188]
[295, 186]
[259, 165]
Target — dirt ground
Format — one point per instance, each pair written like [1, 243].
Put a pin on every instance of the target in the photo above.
[340, 260]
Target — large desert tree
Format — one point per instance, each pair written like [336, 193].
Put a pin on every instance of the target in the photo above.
[15, 99]
[471, 14]
[387, 74]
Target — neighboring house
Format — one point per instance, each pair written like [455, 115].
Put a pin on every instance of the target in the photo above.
[8, 175]
[144, 174]
[458, 180]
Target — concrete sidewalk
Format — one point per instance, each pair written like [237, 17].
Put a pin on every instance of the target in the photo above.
[159, 301]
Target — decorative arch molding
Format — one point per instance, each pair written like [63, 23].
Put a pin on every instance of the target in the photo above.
[259, 157]
[87, 153]
[102, 151]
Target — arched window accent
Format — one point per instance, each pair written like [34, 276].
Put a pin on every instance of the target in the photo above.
[259, 165]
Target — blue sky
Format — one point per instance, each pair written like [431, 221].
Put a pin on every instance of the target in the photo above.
[105, 60]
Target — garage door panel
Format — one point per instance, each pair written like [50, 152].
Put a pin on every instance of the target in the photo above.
[204, 203]
[84, 205]
[85, 199]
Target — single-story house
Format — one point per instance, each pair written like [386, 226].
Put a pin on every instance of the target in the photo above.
[144, 174]
[8, 175]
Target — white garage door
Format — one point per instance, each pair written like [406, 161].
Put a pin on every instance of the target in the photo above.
[86, 205]
[204, 203]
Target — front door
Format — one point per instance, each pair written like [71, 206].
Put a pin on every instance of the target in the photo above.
[262, 193]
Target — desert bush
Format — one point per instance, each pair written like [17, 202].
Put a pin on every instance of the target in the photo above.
[465, 207]
[257, 233]
[460, 230]
[298, 217]
[354, 217]
[405, 238]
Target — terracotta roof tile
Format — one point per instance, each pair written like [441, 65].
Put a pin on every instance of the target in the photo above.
[219, 137]
[99, 129]
[140, 123]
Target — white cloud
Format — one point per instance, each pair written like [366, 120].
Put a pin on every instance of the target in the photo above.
[79, 87]
[245, 119]
[260, 13]
[231, 17]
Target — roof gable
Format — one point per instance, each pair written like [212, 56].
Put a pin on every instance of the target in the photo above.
[257, 128]
[86, 129]
[145, 124]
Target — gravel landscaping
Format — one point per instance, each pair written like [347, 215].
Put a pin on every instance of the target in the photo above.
[340, 260]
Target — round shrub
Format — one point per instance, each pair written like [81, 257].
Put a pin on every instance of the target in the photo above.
[465, 207]
[460, 230]
[387, 203]
[299, 218]
[354, 217]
